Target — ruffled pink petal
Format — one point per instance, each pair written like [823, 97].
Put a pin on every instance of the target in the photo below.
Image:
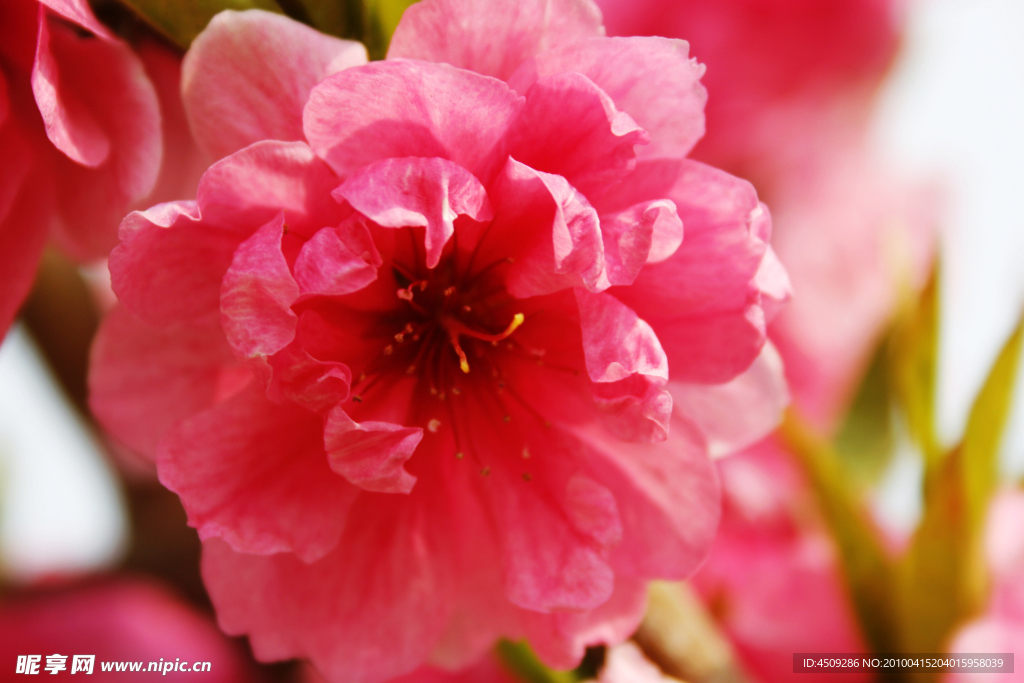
[651, 79]
[740, 412]
[143, 379]
[102, 112]
[194, 242]
[491, 38]
[257, 293]
[704, 302]
[244, 191]
[616, 342]
[369, 611]
[648, 232]
[248, 75]
[569, 253]
[570, 127]
[427, 193]
[409, 109]
[314, 384]
[636, 408]
[772, 281]
[371, 454]
[338, 261]
[255, 474]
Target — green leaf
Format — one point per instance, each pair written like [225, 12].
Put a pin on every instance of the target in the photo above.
[913, 366]
[867, 569]
[946, 557]
[182, 20]
[985, 426]
[381, 20]
[521, 660]
[865, 437]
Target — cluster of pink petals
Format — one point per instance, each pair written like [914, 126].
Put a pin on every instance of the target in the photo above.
[1001, 627]
[119, 620]
[438, 352]
[89, 129]
[771, 530]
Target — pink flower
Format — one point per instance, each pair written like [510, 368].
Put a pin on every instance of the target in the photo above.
[117, 621]
[406, 359]
[84, 125]
[1001, 628]
[772, 530]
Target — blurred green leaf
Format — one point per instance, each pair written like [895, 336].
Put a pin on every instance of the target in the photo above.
[865, 437]
[182, 20]
[985, 426]
[943, 576]
[381, 18]
[867, 569]
[913, 366]
[521, 660]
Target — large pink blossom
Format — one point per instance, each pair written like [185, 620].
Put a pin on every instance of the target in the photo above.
[123, 620]
[425, 359]
[89, 128]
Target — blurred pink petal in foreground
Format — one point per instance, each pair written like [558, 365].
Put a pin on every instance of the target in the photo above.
[409, 359]
[772, 579]
[122, 620]
[1001, 628]
[89, 129]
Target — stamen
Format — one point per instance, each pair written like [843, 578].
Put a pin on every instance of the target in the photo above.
[434, 425]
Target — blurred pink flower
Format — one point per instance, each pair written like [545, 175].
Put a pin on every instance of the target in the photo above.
[406, 357]
[1001, 628]
[792, 86]
[126, 620]
[89, 129]
[771, 530]
[777, 69]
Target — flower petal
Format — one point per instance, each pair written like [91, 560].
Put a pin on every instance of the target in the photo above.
[257, 293]
[703, 302]
[255, 474]
[248, 75]
[409, 109]
[25, 201]
[616, 342]
[740, 412]
[371, 454]
[337, 261]
[101, 110]
[143, 379]
[194, 242]
[651, 79]
[491, 38]
[427, 193]
[70, 126]
[636, 408]
[648, 232]
[370, 610]
[570, 127]
[550, 230]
